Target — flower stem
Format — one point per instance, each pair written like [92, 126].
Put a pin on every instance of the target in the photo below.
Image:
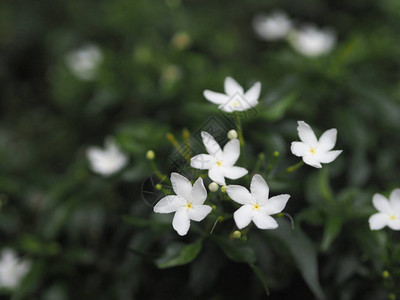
[160, 175]
[291, 169]
[239, 130]
[260, 160]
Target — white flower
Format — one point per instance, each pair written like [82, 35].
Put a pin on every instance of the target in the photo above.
[218, 162]
[256, 205]
[272, 27]
[84, 62]
[107, 161]
[187, 203]
[313, 151]
[311, 41]
[388, 211]
[11, 269]
[234, 98]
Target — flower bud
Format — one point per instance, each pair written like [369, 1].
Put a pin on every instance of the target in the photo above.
[158, 186]
[223, 188]
[385, 274]
[276, 153]
[232, 134]
[213, 186]
[150, 155]
[236, 234]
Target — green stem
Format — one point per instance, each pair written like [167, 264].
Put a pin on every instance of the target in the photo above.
[291, 169]
[239, 130]
[160, 175]
[259, 162]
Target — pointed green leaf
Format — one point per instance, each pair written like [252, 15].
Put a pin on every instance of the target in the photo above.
[178, 254]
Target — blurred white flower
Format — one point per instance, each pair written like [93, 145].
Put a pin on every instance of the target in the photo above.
[234, 98]
[12, 269]
[313, 151]
[257, 207]
[187, 203]
[272, 27]
[107, 161]
[388, 211]
[220, 164]
[311, 41]
[84, 62]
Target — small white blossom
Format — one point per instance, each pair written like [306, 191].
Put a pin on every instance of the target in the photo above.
[218, 162]
[187, 203]
[388, 211]
[272, 27]
[12, 269]
[257, 207]
[107, 161]
[234, 98]
[313, 151]
[311, 41]
[84, 62]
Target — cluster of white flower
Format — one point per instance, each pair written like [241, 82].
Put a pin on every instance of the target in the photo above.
[188, 203]
[12, 269]
[307, 40]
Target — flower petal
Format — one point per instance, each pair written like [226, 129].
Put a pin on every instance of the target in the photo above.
[202, 161]
[234, 172]
[263, 221]
[328, 157]
[259, 188]
[253, 93]
[181, 186]
[311, 161]
[394, 224]
[181, 221]
[378, 221]
[169, 204]
[382, 204]
[232, 87]
[395, 200]
[211, 145]
[243, 216]
[198, 213]
[231, 152]
[299, 148]
[239, 194]
[275, 204]
[216, 174]
[327, 140]
[199, 192]
[306, 134]
[214, 97]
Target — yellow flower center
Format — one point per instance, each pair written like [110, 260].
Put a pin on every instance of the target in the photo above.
[189, 205]
[219, 163]
[256, 206]
[235, 103]
[392, 217]
[313, 151]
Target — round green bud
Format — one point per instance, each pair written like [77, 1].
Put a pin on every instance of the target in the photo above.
[385, 274]
[158, 186]
[236, 234]
[223, 188]
[213, 186]
[150, 155]
[276, 153]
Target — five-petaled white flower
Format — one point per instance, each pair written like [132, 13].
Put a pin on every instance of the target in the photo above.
[107, 161]
[313, 151]
[187, 203]
[12, 269]
[84, 62]
[272, 27]
[388, 211]
[311, 41]
[218, 162]
[234, 98]
[256, 205]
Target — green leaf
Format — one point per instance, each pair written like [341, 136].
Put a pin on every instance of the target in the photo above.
[304, 254]
[260, 275]
[332, 228]
[237, 251]
[178, 254]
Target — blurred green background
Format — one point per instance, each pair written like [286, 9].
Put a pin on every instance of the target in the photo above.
[157, 57]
